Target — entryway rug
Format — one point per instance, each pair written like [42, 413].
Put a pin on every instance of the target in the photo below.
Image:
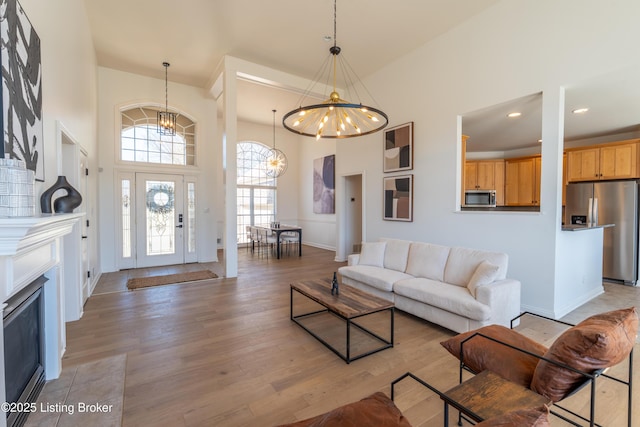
[192, 276]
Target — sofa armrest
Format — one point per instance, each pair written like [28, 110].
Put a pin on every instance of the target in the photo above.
[353, 259]
[503, 299]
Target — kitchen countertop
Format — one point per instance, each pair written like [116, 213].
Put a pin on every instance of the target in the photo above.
[581, 227]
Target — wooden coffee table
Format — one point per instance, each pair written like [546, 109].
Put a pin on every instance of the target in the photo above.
[349, 305]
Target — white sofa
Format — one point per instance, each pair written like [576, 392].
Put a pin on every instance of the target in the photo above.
[459, 288]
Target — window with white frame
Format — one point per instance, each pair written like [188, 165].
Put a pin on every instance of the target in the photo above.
[140, 140]
[256, 192]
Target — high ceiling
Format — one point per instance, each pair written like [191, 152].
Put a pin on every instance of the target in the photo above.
[286, 35]
[290, 36]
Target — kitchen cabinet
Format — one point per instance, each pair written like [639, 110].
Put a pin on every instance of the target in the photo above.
[485, 175]
[522, 181]
[607, 161]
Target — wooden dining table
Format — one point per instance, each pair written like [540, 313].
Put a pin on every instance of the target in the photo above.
[285, 228]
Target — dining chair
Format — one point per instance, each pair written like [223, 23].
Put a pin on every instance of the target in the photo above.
[267, 240]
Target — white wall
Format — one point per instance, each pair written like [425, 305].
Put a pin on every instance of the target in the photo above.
[318, 229]
[69, 93]
[119, 89]
[509, 51]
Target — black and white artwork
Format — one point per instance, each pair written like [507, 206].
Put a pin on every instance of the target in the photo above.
[21, 95]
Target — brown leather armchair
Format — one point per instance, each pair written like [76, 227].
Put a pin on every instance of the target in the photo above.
[576, 359]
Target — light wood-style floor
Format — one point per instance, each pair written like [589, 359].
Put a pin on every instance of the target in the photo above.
[224, 352]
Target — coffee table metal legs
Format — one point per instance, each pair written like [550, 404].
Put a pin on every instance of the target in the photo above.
[387, 343]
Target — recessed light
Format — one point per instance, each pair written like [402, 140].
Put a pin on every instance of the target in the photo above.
[580, 110]
[327, 38]
[514, 114]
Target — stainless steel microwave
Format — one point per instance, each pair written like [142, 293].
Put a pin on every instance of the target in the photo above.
[480, 199]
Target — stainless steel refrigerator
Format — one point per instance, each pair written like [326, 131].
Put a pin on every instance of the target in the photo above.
[610, 202]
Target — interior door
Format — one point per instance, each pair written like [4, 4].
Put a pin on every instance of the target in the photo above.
[159, 220]
[82, 182]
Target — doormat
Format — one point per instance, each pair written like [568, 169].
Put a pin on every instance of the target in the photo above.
[192, 276]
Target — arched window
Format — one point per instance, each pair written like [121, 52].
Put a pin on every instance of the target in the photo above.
[141, 142]
[256, 192]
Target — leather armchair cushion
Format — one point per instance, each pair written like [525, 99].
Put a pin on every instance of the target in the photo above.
[481, 353]
[376, 410]
[534, 417]
[596, 343]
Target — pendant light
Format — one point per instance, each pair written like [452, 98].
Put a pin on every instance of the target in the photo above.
[275, 161]
[336, 117]
[166, 119]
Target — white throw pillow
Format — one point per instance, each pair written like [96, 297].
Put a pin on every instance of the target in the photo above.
[372, 253]
[485, 273]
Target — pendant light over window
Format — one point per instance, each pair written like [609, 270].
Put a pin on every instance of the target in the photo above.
[335, 117]
[166, 119]
[275, 161]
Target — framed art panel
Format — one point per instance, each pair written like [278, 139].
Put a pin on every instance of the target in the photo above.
[398, 148]
[398, 198]
[21, 95]
[324, 185]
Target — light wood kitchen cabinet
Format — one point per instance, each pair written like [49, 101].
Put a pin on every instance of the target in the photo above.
[602, 162]
[522, 181]
[485, 175]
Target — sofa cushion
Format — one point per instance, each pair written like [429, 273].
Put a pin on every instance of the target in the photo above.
[534, 417]
[485, 273]
[396, 254]
[598, 342]
[376, 410]
[462, 263]
[372, 253]
[451, 298]
[481, 353]
[427, 260]
[377, 277]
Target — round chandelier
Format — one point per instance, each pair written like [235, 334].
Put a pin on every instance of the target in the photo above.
[336, 117]
[275, 161]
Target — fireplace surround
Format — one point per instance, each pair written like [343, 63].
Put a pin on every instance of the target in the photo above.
[23, 331]
[30, 248]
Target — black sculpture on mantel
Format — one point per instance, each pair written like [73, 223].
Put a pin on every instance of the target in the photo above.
[335, 290]
[63, 204]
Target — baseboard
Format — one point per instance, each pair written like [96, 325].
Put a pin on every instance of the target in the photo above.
[563, 311]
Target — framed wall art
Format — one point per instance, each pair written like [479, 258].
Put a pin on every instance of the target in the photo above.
[398, 198]
[21, 95]
[324, 185]
[398, 148]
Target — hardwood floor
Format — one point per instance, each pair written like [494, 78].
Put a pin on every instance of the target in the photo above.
[223, 352]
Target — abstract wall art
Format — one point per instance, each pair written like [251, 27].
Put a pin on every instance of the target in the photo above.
[398, 148]
[21, 95]
[398, 198]
[324, 185]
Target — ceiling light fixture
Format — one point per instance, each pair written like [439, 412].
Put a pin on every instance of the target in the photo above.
[335, 117]
[275, 161]
[580, 110]
[166, 119]
[514, 114]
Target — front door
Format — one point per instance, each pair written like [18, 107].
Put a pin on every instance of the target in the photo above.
[159, 220]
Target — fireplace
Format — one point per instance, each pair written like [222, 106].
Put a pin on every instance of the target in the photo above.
[23, 329]
[40, 289]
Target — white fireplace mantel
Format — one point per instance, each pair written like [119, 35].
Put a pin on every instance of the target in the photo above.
[43, 245]
[28, 249]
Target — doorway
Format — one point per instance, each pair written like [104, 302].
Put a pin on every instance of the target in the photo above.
[353, 214]
[159, 211]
